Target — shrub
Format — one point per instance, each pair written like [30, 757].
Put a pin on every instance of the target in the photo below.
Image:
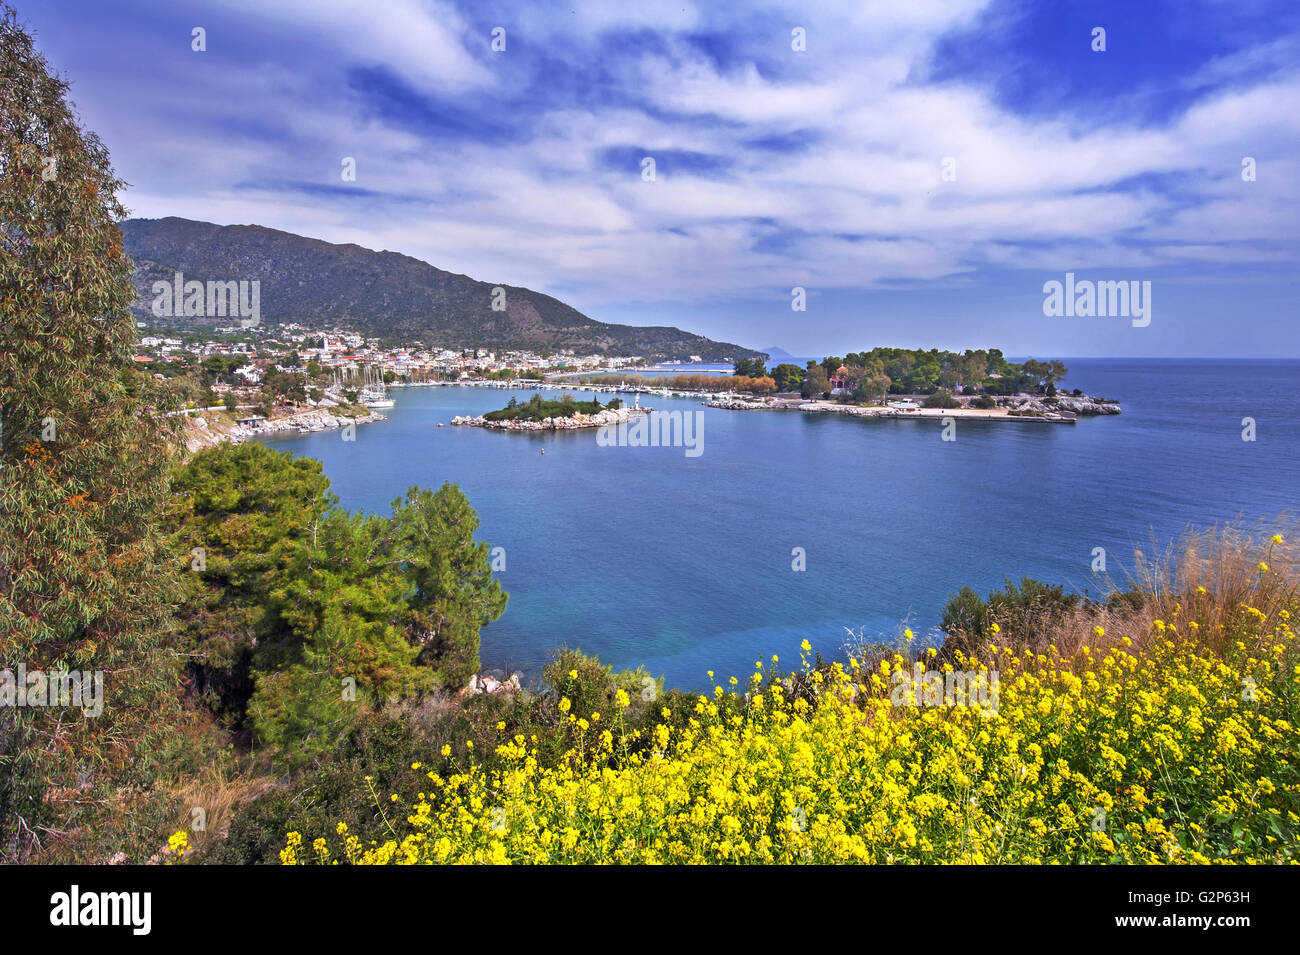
[591, 687]
[1025, 615]
[965, 612]
[374, 757]
[941, 399]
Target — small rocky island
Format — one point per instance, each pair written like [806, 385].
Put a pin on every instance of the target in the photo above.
[563, 415]
[1059, 408]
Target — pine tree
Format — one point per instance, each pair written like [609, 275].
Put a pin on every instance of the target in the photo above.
[453, 592]
[84, 584]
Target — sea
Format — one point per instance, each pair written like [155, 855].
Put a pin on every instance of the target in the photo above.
[790, 526]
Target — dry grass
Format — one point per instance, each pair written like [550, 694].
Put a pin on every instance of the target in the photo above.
[217, 790]
[1213, 578]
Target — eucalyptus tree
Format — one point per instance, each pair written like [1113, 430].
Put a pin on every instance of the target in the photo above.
[84, 581]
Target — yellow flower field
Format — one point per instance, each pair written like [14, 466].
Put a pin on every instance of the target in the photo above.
[1174, 754]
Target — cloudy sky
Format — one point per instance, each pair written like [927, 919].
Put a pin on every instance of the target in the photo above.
[774, 167]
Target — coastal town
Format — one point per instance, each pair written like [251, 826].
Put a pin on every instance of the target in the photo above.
[262, 349]
[235, 382]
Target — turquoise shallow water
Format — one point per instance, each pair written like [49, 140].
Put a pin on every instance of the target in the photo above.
[645, 555]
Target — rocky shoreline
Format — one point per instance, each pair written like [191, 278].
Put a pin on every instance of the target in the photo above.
[199, 433]
[1020, 407]
[574, 422]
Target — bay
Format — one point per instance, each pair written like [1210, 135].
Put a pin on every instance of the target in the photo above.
[684, 564]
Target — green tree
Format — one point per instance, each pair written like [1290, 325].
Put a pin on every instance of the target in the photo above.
[973, 369]
[295, 595]
[84, 584]
[453, 592]
[873, 386]
[220, 368]
[304, 709]
[1057, 372]
[342, 598]
[284, 384]
[788, 377]
[1036, 372]
[236, 515]
[816, 383]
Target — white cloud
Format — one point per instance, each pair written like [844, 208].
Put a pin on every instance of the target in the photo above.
[862, 203]
[424, 41]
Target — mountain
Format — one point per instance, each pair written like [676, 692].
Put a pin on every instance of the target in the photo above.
[776, 355]
[384, 295]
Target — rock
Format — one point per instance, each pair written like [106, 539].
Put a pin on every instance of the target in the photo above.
[486, 683]
[1060, 407]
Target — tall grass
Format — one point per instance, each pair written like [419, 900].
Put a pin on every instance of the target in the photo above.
[1213, 577]
[1208, 583]
[214, 795]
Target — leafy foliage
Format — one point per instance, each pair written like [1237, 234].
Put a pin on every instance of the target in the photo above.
[1024, 614]
[83, 581]
[919, 371]
[788, 377]
[537, 409]
[942, 398]
[297, 602]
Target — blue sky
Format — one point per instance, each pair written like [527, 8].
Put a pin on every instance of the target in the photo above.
[820, 168]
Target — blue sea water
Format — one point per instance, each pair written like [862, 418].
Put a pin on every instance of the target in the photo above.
[645, 555]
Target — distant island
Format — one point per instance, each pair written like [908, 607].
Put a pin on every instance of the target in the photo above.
[891, 382]
[566, 414]
[887, 382]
